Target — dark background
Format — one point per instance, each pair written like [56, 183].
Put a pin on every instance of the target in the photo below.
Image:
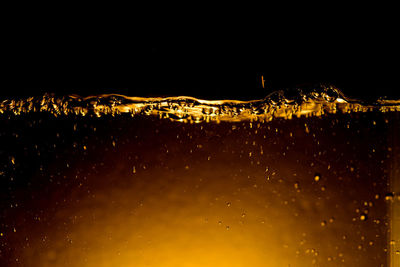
[95, 58]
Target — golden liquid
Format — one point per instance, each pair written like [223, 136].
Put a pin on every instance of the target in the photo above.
[253, 189]
[188, 109]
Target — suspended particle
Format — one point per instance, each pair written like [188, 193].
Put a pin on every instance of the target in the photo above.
[317, 177]
[363, 217]
[306, 128]
[389, 197]
[296, 185]
[134, 169]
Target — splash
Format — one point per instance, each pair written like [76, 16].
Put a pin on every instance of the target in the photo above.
[279, 104]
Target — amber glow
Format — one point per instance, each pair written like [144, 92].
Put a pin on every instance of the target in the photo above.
[198, 218]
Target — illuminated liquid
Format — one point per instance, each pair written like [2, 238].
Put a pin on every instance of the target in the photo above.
[243, 186]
